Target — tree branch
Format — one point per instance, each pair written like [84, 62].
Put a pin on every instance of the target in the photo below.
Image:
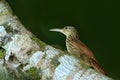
[23, 51]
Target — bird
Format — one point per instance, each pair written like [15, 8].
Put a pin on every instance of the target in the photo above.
[77, 48]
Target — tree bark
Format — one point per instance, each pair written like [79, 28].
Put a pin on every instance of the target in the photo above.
[23, 50]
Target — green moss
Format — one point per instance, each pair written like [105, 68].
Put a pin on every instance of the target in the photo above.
[49, 78]
[41, 43]
[83, 63]
[32, 74]
[57, 46]
[35, 73]
[55, 62]
[2, 52]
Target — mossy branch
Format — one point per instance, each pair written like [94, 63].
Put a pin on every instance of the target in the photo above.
[23, 55]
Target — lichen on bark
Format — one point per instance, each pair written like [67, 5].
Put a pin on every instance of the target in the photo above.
[26, 55]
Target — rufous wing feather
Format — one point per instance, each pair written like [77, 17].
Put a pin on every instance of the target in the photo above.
[86, 51]
[97, 67]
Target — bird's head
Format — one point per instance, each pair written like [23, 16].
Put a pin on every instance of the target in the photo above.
[68, 31]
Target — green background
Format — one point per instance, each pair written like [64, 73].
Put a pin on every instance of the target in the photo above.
[97, 21]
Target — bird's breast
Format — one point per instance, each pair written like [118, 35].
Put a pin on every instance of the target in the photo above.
[72, 49]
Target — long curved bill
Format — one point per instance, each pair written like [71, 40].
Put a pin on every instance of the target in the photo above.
[57, 30]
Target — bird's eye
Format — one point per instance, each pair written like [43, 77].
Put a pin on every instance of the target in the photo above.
[65, 27]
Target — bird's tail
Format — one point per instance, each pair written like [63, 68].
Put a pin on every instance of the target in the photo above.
[97, 67]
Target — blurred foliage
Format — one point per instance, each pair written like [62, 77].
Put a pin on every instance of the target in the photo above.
[31, 74]
[97, 22]
[4, 75]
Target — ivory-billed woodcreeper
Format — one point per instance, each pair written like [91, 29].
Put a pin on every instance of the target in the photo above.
[77, 48]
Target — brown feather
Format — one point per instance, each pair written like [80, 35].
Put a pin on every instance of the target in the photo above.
[79, 49]
[87, 52]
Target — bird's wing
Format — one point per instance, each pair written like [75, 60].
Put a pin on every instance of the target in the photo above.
[97, 67]
[84, 49]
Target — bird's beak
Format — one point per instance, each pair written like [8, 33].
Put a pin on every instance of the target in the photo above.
[57, 30]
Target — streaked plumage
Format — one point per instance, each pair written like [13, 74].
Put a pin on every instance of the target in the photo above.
[79, 49]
